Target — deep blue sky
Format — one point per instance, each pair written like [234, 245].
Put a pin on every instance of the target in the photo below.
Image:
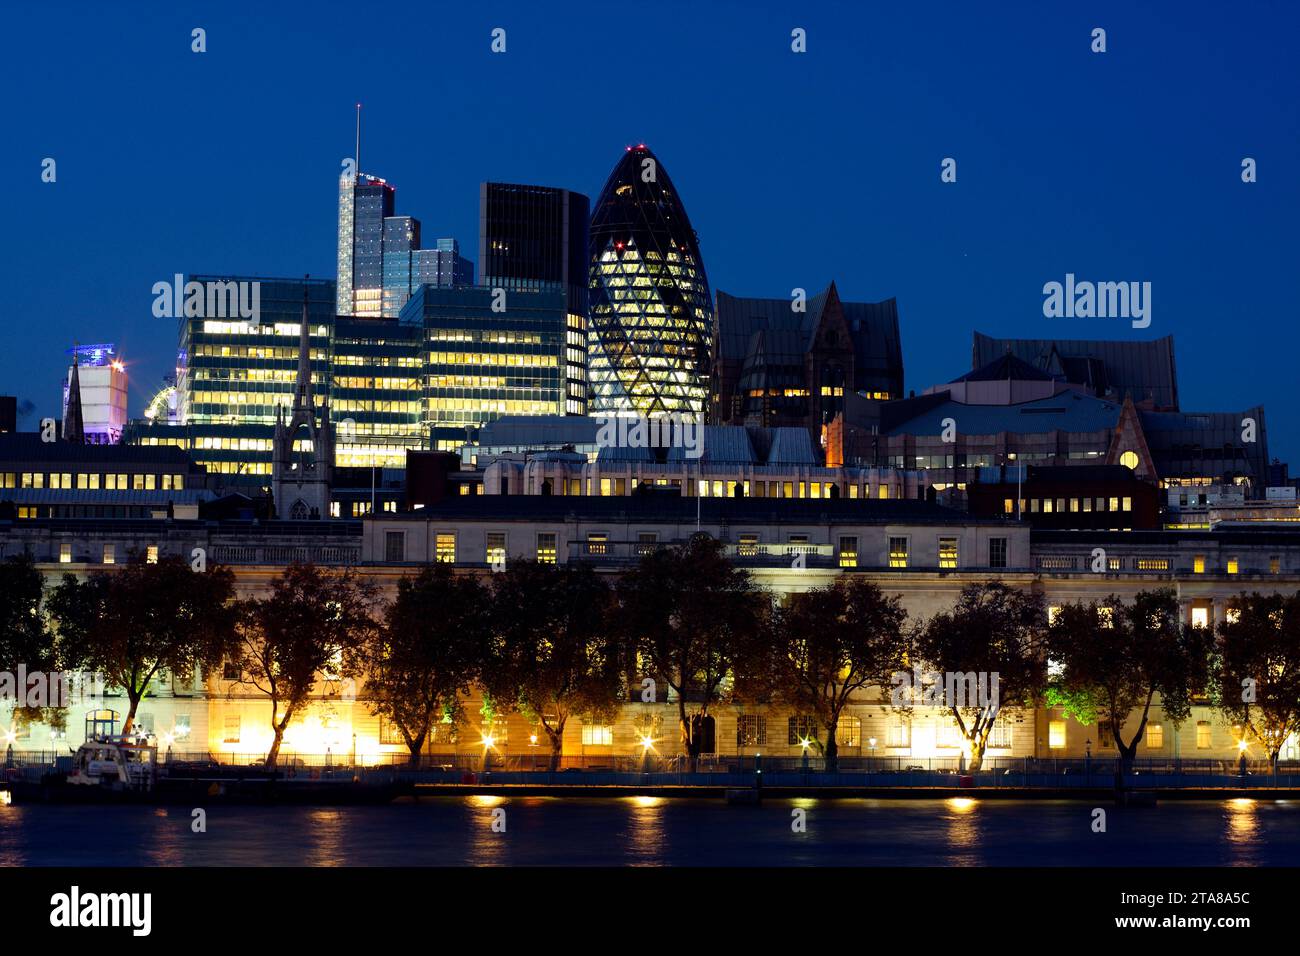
[795, 169]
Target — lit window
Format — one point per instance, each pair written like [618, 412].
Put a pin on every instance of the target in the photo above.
[496, 548]
[897, 552]
[748, 546]
[597, 542]
[1127, 503]
[445, 547]
[1053, 613]
[898, 732]
[230, 734]
[1274, 565]
[110, 554]
[597, 735]
[799, 729]
[151, 554]
[546, 547]
[1056, 735]
[751, 730]
[1233, 565]
[1203, 738]
[848, 552]
[947, 552]
[1200, 617]
[1198, 564]
[1129, 460]
[1156, 736]
[848, 733]
[1008, 506]
[65, 554]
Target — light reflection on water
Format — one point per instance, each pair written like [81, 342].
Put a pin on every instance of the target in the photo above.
[655, 831]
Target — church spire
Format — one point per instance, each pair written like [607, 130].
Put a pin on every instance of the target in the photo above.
[302, 393]
[73, 426]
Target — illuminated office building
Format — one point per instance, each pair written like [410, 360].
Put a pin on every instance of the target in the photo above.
[534, 239]
[651, 311]
[488, 355]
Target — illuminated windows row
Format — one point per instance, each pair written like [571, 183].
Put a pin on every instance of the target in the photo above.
[92, 481]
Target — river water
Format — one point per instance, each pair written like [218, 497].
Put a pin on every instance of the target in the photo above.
[654, 831]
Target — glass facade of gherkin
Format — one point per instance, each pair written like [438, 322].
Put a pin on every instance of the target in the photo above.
[651, 324]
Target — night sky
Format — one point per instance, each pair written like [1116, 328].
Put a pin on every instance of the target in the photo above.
[795, 168]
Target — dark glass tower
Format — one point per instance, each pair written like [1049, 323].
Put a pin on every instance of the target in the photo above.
[651, 311]
[534, 239]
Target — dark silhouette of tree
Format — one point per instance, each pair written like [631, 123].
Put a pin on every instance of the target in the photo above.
[1257, 668]
[25, 635]
[141, 620]
[832, 642]
[427, 653]
[1114, 658]
[691, 615]
[305, 631]
[554, 651]
[993, 631]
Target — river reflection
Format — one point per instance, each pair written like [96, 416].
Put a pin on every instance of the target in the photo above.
[499, 830]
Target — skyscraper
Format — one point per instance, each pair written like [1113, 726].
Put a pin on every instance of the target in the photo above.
[534, 239]
[380, 258]
[370, 201]
[651, 311]
[101, 392]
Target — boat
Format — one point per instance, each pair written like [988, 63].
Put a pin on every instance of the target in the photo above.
[116, 762]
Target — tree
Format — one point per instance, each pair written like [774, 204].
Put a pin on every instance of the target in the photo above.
[690, 614]
[1257, 668]
[990, 638]
[554, 652]
[832, 642]
[141, 620]
[306, 629]
[427, 653]
[25, 636]
[1113, 659]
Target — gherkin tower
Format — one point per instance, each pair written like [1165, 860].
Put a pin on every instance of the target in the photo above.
[651, 324]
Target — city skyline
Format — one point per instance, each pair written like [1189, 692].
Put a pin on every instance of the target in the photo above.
[773, 213]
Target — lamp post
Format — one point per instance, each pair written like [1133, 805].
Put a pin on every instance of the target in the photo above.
[871, 749]
[1087, 758]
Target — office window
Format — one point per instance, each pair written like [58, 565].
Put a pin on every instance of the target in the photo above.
[997, 552]
[800, 727]
[181, 727]
[546, 547]
[65, 554]
[1203, 737]
[787, 489]
[647, 542]
[1053, 613]
[1087, 504]
[110, 554]
[1200, 617]
[445, 547]
[389, 733]
[394, 546]
[898, 732]
[1074, 504]
[1101, 504]
[230, 734]
[1156, 736]
[1233, 566]
[1033, 506]
[597, 542]
[496, 548]
[947, 552]
[897, 552]
[884, 491]
[1198, 564]
[848, 732]
[1127, 503]
[151, 554]
[751, 730]
[848, 552]
[597, 735]
[1274, 565]
[1000, 735]
[1056, 735]
[1008, 506]
[1114, 504]
[748, 546]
